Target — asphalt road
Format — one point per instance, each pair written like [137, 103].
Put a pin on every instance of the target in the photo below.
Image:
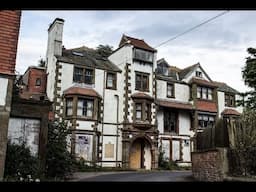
[147, 176]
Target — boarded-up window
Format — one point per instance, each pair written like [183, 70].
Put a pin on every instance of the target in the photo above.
[175, 150]
[109, 150]
[24, 130]
[84, 146]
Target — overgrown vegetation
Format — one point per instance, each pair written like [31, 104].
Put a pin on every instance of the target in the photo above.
[243, 154]
[165, 164]
[20, 164]
[104, 50]
[58, 159]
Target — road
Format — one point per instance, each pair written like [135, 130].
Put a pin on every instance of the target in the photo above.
[139, 176]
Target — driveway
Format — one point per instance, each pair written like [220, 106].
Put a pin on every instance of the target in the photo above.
[135, 176]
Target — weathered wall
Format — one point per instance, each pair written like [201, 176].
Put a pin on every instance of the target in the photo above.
[9, 33]
[181, 91]
[34, 74]
[193, 74]
[210, 165]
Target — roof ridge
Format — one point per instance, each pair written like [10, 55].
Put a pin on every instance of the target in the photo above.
[190, 66]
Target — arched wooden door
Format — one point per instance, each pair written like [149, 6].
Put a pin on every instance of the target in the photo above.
[140, 154]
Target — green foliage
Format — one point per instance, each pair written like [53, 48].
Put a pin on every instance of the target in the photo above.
[41, 63]
[58, 159]
[243, 154]
[165, 164]
[245, 130]
[104, 50]
[20, 164]
[249, 76]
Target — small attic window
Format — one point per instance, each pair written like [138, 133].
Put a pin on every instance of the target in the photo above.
[198, 74]
[77, 53]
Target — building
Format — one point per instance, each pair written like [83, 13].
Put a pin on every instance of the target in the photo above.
[9, 33]
[125, 108]
[188, 101]
[30, 109]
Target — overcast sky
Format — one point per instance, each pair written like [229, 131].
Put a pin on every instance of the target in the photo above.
[219, 46]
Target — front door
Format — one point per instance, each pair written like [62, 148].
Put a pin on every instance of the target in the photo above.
[140, 155]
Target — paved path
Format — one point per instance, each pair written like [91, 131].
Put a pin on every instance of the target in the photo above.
[135, 176]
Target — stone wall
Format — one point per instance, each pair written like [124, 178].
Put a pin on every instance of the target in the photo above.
[210, 165]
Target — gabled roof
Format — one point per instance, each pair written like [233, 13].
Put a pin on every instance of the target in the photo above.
[225, 88]
[184, 72]
[87, 57]
[171, 70]
[187, 70]
[139, 43]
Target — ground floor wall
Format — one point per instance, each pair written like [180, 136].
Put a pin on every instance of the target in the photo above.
[6, 84]
[176, 148]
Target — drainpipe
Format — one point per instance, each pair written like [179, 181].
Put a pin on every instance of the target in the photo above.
[117, 121]
[103, 99]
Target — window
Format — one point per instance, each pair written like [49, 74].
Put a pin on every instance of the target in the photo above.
[206, 121]
[69, 107]
[142, 81]
[204, 93]
[138, 111]
[143, 55]
[111, 81]
[142, 111]
[83, 75]
[85, 107]
[198, 74]
[170, 90]
[38, 81]
[147, 112]
[170, 119]
[229, 100]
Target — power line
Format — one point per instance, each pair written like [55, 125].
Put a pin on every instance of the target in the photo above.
[191, 29]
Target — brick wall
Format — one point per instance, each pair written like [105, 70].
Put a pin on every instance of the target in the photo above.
[9, 32]
[210, 165]
[33, 75]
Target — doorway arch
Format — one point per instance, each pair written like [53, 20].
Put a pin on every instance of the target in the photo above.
[140, 154]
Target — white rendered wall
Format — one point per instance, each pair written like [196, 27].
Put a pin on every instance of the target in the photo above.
[147, 157]
[181, 91]
[3, 92]
[193, 74]
[184, 123]
[160, 121]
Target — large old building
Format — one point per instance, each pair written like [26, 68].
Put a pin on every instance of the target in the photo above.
[9, 33]
[123, 109]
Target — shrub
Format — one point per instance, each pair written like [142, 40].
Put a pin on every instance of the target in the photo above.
[58, 159]
[20, 164]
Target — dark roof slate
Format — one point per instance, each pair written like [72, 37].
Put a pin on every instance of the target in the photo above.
[87, 57]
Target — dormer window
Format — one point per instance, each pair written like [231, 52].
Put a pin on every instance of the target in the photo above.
[77, 53]
[143, 55]
[199, 74]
